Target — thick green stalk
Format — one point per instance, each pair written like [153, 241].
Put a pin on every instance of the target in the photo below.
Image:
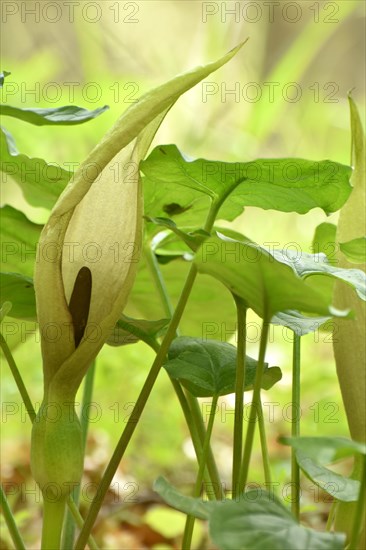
[241, 312]
[264, 446]
[53, 517]
[69, 529]
[295, 428]
[9, 520]
[255, 407]
[188, 531]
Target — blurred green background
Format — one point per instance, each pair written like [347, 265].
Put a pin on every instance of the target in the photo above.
[285, 94]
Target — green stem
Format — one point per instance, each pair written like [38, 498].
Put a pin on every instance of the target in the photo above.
[191, 411]
[9, 520]
[358, 522]
[53, 517]
[144, 394]
[211, 475]
[158, 280]
[264, 446]
[18, 379]
[331, 515]
[80, 522]
[255, 407]
[295, 428]
[188, 531]
[211, 463]
[69, 530]
[241, 312]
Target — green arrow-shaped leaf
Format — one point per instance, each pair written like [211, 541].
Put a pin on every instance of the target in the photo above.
[208, 367]
[267, 285]
[288, 185]
[255, 521]
[259, 521]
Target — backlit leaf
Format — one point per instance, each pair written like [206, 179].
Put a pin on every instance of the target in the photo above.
[18, 289]
[305, 264]
[40, 182]
[288, 185]
[19, 238]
